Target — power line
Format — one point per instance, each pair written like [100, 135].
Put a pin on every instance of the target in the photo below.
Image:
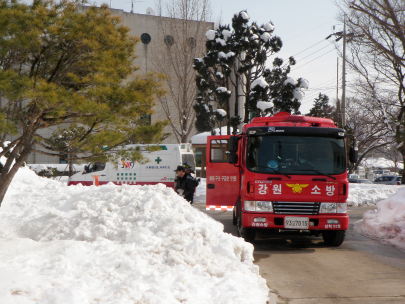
[314, 59]
[309, 30]
[314, 52]
[309, 47]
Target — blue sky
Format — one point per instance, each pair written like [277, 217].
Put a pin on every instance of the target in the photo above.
[302, 25]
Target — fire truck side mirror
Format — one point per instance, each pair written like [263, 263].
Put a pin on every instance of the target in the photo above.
[233, 158]
[233, 144]
[353, 155]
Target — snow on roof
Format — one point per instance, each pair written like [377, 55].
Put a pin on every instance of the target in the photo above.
[201, 138]
[121, 244]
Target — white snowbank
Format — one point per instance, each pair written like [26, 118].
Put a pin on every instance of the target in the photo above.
[117, 244]
[370, 194]
[387, 223]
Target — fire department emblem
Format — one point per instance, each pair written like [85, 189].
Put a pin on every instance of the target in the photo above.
[297, 188]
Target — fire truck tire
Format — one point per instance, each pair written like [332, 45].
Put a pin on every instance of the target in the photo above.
[334, 237]
[234, 221]
[249, 234]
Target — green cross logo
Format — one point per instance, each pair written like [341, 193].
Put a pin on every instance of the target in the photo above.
[158, 160]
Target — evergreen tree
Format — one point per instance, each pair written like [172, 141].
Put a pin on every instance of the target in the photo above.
[62, 64]
[321, 107]
[236, 61]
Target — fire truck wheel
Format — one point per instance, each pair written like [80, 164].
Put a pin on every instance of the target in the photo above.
[249, 234]
[334, 237]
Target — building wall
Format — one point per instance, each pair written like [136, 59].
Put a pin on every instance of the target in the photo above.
[138, 25]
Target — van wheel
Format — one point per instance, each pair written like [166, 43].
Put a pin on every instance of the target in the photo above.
[249, 234]
[334, 237]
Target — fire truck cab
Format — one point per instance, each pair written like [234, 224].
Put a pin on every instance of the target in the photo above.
[285, 173]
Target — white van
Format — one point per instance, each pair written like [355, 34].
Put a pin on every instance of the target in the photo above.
[159, 169]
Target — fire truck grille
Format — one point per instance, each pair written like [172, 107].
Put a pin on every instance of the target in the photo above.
[296, 208]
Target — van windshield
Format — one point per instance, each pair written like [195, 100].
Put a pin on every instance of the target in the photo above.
[292, 154]
[97, 166]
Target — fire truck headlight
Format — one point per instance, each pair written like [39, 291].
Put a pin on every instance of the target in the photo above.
[250, 205]
[341, 207]
[264, 206]
[258, 206]
[328, 208]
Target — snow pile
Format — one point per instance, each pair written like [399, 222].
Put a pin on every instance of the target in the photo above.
[387, 223]
[370, 194]
[117, 244]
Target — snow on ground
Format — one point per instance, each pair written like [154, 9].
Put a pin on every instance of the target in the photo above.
[387, 223]
[370, 194]
[117, 244]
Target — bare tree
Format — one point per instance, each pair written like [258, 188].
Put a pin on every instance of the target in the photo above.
[365, 122]
[377, 36]
[181, 38]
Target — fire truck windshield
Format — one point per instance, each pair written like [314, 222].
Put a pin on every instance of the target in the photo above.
[292, 154]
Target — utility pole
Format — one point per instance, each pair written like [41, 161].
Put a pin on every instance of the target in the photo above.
[343, 105]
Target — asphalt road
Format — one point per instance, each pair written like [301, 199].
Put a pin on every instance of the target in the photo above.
[302, 270]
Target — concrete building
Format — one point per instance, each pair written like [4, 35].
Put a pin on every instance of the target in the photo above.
[163, 44]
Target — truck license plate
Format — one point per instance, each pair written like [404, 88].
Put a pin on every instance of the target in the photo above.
[293, 222]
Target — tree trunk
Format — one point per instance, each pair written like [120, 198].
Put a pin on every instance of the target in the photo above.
[20, 154]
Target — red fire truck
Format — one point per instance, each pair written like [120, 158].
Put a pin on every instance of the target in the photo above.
[285, 173]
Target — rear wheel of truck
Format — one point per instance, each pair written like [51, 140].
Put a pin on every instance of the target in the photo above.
[334, 237]
[249, 234]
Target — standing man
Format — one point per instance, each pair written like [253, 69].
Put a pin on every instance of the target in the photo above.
[184, 184]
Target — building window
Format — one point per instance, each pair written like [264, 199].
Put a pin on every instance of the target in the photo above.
[145, 38]
[169, 40]
[191, 42]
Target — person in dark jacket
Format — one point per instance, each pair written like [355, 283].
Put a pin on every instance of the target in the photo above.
[184, 184]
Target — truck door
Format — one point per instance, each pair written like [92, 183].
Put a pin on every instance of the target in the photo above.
[223, 181]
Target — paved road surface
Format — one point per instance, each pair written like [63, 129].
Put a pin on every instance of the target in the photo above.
[301, 270]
